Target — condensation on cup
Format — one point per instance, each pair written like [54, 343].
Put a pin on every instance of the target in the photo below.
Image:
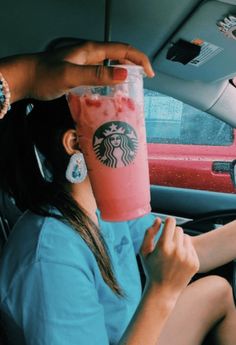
[111, 127]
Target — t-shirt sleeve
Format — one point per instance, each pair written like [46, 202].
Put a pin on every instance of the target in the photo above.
[138, 228]
[61, 306]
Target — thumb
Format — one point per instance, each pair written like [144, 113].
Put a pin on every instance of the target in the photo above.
[148, 241]
[93, 75]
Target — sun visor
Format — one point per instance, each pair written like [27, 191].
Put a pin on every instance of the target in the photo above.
[204, 48]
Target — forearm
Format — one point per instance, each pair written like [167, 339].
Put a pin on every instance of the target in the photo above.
[216, 248]
[19, 73]
[150, 317]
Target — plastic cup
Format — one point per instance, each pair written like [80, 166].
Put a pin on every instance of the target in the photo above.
[111, 128]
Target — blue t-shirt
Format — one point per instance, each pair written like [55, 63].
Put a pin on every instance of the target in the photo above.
[52, 291]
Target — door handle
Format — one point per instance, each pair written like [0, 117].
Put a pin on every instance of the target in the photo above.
[221, 167]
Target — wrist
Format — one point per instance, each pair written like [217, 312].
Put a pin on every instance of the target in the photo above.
[162, 294]
[19, 72]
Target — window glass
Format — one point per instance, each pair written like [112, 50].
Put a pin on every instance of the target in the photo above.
[169, 121]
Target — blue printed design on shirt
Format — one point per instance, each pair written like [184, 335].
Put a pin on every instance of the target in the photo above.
[118, 248]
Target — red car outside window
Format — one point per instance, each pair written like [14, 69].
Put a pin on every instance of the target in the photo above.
[187, 148]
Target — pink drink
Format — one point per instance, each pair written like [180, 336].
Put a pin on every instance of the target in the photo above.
[113, 141]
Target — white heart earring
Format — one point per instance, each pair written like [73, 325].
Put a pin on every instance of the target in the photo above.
[76, 171]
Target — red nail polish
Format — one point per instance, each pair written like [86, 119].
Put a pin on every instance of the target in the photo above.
[119, 73]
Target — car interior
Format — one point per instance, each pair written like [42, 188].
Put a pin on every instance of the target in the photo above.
[192, 47]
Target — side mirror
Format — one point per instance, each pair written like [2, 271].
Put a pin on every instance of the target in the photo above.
[233, 172]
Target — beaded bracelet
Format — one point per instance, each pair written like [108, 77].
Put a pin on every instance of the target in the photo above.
[4, 97]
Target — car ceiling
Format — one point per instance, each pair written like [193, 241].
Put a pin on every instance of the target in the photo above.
[152, 26]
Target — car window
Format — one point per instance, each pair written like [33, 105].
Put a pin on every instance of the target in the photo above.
[170, 121]
[187, 148]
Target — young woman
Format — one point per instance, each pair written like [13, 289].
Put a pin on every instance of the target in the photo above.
[68, 277]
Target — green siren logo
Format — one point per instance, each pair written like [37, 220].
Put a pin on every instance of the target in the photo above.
[115, 144]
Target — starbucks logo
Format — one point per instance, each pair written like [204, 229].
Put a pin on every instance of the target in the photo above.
[115, 144]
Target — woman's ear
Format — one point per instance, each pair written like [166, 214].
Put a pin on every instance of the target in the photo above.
[70, 141]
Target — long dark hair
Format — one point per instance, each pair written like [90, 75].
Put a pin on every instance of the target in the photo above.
[20, 175]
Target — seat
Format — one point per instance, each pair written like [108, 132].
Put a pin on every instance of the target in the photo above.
[9, 214]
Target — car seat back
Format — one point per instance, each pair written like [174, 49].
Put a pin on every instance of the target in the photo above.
[9, 214]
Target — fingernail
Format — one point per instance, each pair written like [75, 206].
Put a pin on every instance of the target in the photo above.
[152, 74]
[119, 73]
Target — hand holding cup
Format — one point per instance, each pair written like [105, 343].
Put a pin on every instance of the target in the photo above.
[173, 261]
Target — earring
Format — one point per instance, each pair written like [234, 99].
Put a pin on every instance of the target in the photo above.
[76, 170]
